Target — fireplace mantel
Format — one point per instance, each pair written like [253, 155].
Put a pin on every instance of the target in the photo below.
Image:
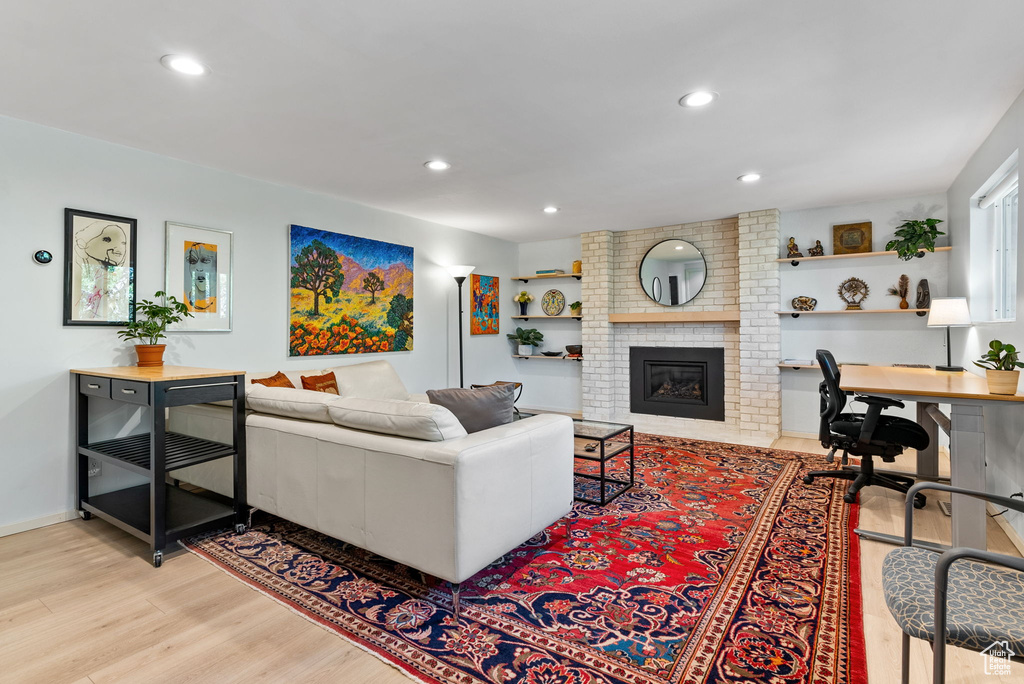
[723, 316]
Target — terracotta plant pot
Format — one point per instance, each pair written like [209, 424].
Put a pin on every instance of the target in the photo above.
[150, 354]
[1002, 381]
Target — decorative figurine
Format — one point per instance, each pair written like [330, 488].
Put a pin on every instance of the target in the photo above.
[924, 297]
[794, 251]
[901, 290]
[853, 291]
[804, 303]
[816, 250]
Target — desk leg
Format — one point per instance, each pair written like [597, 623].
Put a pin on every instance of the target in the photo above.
[967, 470]
[928, 459]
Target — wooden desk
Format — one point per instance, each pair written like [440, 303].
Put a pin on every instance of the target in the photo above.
[968, 395]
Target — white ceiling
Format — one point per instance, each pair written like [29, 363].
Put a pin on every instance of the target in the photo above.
[565, 102]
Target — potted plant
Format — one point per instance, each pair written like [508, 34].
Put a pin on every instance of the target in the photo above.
[913, 236]
[1001, 364]
[527, 339]
[150, 326]
[523, 298]
[576, 308]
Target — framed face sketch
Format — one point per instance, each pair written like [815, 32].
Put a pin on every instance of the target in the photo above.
[99, 273]
[198, 272]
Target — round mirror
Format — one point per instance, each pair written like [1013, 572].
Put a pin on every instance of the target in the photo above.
[677, 264]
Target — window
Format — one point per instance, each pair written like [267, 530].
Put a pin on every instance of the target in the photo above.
[994, 246]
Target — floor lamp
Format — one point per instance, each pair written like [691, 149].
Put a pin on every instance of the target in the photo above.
[460, 273]
[949, 312]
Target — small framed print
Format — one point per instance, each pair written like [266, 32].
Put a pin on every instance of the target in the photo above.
[199, 266]
[99, 273]
[851, 238]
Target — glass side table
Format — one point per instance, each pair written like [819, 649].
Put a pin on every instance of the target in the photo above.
[599, 434]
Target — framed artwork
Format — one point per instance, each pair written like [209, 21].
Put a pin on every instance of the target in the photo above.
[99, 273]
[348, 295]
[851, 238]
[198, 266]
[483, 304]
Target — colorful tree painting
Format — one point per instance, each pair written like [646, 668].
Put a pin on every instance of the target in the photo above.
[349, 295]
[483, 306]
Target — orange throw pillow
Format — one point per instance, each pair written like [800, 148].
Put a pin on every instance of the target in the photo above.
[278, 379]
[321, 383]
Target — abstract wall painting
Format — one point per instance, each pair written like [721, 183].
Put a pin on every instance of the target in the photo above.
[99, 268]
[349, 295]
[483, 305]
[198, 270]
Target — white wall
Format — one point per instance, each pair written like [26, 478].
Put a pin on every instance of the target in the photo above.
[44, 170]
[878, 339]
[550, 385]
[1004, 427]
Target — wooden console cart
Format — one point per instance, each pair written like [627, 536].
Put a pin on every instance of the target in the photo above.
[158, 512]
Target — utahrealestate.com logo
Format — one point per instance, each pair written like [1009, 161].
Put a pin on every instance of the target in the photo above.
[997, 658]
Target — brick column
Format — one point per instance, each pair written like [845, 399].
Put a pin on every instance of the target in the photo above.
[760, 329]
[596, 294]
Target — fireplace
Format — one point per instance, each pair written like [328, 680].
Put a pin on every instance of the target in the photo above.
[685, 382]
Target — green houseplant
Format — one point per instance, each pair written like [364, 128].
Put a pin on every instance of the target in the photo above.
[150, 326]
[1001, 363]
[527, 339]
[913, 236]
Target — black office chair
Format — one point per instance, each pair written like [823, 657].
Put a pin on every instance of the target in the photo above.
[864, 435]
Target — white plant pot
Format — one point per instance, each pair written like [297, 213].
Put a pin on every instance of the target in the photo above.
[526, 350]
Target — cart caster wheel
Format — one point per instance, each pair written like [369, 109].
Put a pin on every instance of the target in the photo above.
[158, 559]
[920, 501]
[240, 528]
[86, 515]
[850, 498]
[808, 479]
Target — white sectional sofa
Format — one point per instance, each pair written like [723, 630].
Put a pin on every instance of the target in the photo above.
[437, 499]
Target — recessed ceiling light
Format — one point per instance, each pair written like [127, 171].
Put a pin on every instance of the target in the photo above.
[679, 247]
[698, 98]
[749, 177]
[438, 165]
[550, 210]
[184, 65]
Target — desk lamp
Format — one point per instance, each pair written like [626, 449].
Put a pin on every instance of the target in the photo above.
[460, 273]
[949, 312]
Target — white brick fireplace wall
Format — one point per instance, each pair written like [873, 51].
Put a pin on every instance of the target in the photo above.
[742, 274]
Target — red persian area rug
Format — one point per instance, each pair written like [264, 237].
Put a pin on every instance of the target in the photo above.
[719, 566]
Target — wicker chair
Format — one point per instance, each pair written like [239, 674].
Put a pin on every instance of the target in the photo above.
[970, 604]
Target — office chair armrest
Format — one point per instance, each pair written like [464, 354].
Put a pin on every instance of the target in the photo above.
[867, 428]
[879, 401]
[908, 520]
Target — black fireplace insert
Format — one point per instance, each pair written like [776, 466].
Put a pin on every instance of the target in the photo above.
[683, 382]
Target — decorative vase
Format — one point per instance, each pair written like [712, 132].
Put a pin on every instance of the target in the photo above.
[150, 354]
[1002, 381]
[904, 304]
[577, 266]
[526, 350]
[522, 308]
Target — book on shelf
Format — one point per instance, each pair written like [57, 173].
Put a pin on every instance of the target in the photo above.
[798, 362]
[551, 271]
[911, 365]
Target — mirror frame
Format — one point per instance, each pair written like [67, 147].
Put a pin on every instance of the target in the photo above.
[640, 269]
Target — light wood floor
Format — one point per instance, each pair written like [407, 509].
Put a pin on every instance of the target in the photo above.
[79, 602]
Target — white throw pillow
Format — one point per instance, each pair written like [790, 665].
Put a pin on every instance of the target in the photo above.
[373, 380]
[395, 417]
[290, 403]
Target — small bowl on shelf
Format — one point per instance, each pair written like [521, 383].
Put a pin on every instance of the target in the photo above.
[574, 349]
[552, 353]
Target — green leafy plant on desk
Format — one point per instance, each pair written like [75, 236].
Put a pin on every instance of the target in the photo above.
[150, 326]
[913, 236]
[1001, 362]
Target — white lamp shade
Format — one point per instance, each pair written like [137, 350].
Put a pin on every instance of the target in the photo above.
[949, 312]
[460, 271]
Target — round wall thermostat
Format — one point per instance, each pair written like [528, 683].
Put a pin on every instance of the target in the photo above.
[42, 257]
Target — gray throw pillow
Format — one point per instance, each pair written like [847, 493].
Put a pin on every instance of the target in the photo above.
[477, 409]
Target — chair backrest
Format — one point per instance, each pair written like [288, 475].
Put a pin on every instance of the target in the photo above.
[833, 399]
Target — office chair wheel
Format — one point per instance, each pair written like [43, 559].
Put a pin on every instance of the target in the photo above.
[919, 501]
[850, 498]
[808, 479]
